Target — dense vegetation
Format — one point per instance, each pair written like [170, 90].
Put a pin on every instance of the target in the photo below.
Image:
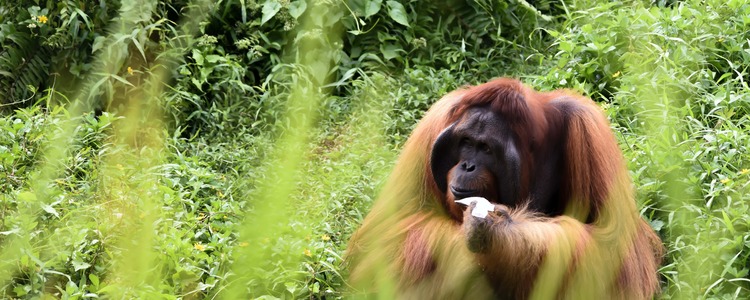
[178, 149]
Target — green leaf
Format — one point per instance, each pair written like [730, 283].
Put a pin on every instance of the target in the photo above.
[213, 58]
[9, 232]
[657, 224]
[71, 287]
[138, 45]
[196, 83]
[80, 265]
[270, 9]
[296, 8]
[530, 7]
[244, 11]
[727, 222]
[397, 12]
[98, 43]
[198, 57]
[21, 290]
[566, 46]
[50, 210]
[94, 279]
[27, 197]
[291, 287]
[373, 7]
[120, 79]
[390, 51]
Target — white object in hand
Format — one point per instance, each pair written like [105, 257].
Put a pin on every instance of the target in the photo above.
[483, 206]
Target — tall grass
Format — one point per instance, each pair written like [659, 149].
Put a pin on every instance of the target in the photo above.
[270, 216]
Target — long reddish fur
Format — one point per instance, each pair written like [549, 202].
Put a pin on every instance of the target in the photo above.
[412, 243]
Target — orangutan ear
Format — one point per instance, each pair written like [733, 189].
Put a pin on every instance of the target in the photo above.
[444, 157]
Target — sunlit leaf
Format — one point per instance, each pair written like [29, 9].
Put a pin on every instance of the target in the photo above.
[296, 8]
[372, 7]
[270, 9]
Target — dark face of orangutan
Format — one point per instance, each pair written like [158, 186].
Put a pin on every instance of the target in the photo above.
[477, 156]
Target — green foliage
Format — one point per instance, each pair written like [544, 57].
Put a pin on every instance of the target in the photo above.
[36, 40]
[671, 75]
[17, 157]
[468, 36]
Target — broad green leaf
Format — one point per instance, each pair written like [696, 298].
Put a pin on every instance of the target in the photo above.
[98, 43]
[80, 265]
[51, 210]
[21, 290]
[390, 51]
[198, 57]
[657, 225]
[291, 287]
[213, 58]
[270, 9]
[71, 287]
[397, 12]
[196, 83]
[94, 279]
[566, 46]
[296, 8]
[372, 7]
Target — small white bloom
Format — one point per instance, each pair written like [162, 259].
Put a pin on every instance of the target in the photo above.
[483, 206]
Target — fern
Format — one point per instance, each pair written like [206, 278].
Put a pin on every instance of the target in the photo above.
[24, 66]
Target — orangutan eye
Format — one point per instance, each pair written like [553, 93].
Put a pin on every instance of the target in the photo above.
[484, 148]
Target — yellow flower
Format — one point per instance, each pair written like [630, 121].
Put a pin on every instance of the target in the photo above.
[308, 253]
[221, 195]
[724, 181]
[199, 247]
[744, 171]
[201, 216]
[617, 74]
[42, 19]
[244, 244]
[325, 237]
[130, 70]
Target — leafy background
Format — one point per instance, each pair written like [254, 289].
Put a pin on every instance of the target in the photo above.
[203, 149]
